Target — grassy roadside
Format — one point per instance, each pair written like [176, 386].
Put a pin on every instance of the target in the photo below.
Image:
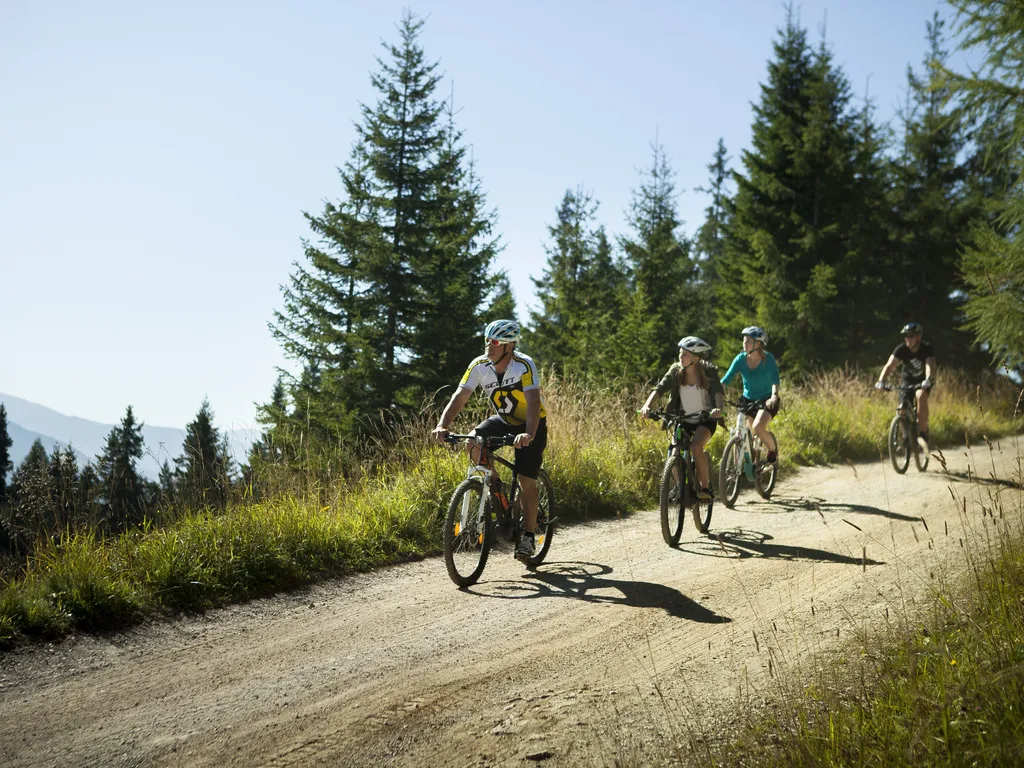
[941, 686]
[603, 461]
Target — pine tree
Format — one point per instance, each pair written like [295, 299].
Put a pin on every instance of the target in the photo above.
[933, 204]
[399, 272]
[5, 454]
[994, 97]
[32, 514]
[202, 470]
[557, 329]
[789, 249]
[87, 497]
[167, 482]
[502, 301]
[121, 490]
[64, 486]
[658, 257]
[709, 243]
[454, 272]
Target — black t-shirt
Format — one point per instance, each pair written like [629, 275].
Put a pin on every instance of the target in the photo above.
[913, 362]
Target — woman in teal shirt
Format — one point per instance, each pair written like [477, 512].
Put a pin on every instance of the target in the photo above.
[760, 373]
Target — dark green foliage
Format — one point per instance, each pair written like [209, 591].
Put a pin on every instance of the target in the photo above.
[31, 512]
[994, 97]
[387, 308]
[121, 491]
[659, 262]
[578, 292]
[204, 467]
[64, 487]
[932, 200]
[709, 242]
[5, 454]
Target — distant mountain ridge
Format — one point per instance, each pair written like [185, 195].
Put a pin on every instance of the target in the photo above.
[27, 421]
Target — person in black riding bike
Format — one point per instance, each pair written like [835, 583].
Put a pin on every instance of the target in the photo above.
[760, 373]
[918, 360]
[510, 380]
[693, 386]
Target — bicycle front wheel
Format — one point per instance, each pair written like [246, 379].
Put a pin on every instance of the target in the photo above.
[467, 544]
[899, 444]
[701, 510]
[730, 472]
[768, 472]
[673, 493]
[920, 456]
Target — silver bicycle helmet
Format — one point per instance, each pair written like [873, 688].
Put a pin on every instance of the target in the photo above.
[695, 345]
[505, 331]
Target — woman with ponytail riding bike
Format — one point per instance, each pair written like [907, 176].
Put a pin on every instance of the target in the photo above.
[693, 386]
[760, 373]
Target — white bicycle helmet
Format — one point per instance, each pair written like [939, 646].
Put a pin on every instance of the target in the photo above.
[693, 344]
[505, 331]
[756, 332]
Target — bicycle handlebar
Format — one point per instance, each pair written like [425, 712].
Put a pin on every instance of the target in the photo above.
[901, 387]
[663, 416]
[487, 442]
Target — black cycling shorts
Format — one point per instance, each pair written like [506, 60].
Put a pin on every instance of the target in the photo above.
[751, 407]
[907, 395]
[528, 459]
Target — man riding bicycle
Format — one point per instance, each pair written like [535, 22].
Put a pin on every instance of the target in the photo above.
[510, 380]
[760, 373]
[918, 362]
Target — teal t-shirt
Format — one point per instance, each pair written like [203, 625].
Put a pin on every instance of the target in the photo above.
[757, 382]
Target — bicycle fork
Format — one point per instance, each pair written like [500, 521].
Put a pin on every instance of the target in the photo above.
[485, 476]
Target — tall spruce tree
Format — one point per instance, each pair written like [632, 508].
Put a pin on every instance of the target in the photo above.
[64, 485]
[32, 517]
[789, 251]
[122, 498]
[399, 265]
[709, 243]
[203, 469]
[994, 97]
[658, 256]
[933, 202]
[561, 328]
[5, 454]
[454, 279]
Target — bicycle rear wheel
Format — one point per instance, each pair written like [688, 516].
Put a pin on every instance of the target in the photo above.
[466, 547]
[899, 444]
[767, 472]
[730, 472]
[673, 493]
[701, 511]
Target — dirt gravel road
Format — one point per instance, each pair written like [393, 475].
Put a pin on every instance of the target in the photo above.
[615, 642]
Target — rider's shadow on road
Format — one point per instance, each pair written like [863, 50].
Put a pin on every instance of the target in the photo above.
[740, 543]
[586, 581]
[816, 504]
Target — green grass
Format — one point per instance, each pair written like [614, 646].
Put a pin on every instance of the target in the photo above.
[945, 687]
[602, 459]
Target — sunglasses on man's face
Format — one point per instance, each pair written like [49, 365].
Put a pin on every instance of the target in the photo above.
[495, 342]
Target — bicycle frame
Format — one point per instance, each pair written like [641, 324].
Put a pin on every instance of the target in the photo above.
[485, 471]
[746, 435]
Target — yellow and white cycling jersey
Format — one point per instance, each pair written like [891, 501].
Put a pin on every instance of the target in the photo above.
[505, 391]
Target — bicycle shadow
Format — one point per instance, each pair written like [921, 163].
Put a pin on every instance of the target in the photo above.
[971, 477]
[741, 544]
[816, 504]
[583, 581]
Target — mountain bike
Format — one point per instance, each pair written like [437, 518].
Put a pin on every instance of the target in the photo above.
[480, 507]
[903, 430]
[744, 458]
[679, 477]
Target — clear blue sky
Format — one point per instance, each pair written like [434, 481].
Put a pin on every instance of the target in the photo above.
[155, 159]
